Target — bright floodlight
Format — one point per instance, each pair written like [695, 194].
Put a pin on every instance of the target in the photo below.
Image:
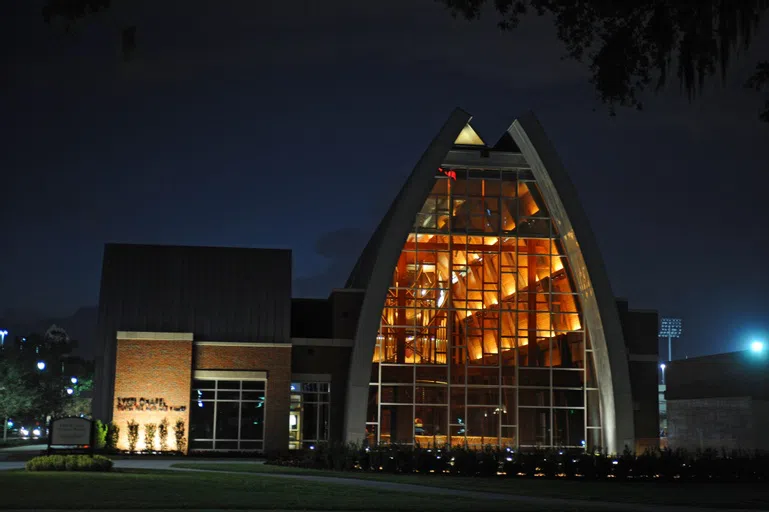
[670, 328]
[757, 347]
[41, 365]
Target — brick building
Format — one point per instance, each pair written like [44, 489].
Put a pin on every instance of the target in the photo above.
[479, 313]
[719, 401]
[204, 335]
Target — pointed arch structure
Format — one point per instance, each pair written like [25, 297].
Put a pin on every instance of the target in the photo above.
[487, 314]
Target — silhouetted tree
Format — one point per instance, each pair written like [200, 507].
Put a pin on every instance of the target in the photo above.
[18, 393]
[631, 45]
[56, 334]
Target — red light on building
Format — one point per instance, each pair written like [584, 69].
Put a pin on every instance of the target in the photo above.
[448, 172]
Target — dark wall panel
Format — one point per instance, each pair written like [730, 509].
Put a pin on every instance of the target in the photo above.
[733, 374]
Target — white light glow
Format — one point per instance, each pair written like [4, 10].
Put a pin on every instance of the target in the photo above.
[757, 347]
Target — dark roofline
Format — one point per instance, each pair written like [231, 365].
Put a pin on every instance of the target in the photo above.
[201, 247]
[721, 356]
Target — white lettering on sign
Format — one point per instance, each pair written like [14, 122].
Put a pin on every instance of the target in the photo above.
[71, 431]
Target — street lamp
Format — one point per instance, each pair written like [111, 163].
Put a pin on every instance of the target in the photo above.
[3, 334]
[41, 365]
[662, 367]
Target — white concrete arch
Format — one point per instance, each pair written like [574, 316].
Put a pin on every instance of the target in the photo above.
[374, 269]
[598, 302]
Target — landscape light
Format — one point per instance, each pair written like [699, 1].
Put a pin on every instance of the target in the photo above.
[663, 366]
[73, 380]
[10, 424]
[757, 347]
[70, 391]
[41, 365]
[3, 334]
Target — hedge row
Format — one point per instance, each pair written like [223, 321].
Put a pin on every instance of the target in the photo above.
[665, 464]
[69, 463]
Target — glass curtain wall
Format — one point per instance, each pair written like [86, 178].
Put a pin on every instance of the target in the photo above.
[482, 339]
[227, 415]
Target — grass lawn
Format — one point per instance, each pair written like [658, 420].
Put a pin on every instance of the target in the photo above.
[186, 490]
[716, 495]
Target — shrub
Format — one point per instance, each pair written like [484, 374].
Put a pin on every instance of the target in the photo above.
[678, 465]
[113, 432]
[69, 463]
[181, 441]
[133, 435]
[101, 434]
[149, 436]
[163, 434]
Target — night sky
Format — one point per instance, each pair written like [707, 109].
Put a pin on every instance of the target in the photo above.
[294, 124]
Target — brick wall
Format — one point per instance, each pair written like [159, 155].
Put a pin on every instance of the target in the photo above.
[701, 423]
[276, 361]
[152, 369]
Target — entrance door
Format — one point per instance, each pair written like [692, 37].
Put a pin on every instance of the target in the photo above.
[295, 422]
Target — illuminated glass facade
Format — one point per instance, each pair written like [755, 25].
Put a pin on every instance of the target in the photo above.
[482, 339]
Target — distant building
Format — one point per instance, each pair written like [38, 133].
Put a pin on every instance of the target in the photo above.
[479, 313]
[718, 401]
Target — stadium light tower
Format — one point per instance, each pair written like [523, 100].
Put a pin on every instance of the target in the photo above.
[670, 328]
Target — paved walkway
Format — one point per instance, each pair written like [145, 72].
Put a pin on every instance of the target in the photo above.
[565, 504]
[24, 448]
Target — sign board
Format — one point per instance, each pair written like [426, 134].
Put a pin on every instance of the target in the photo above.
[72, 432]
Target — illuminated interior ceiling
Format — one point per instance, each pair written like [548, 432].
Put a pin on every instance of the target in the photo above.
[468, 137]
[487, 293]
